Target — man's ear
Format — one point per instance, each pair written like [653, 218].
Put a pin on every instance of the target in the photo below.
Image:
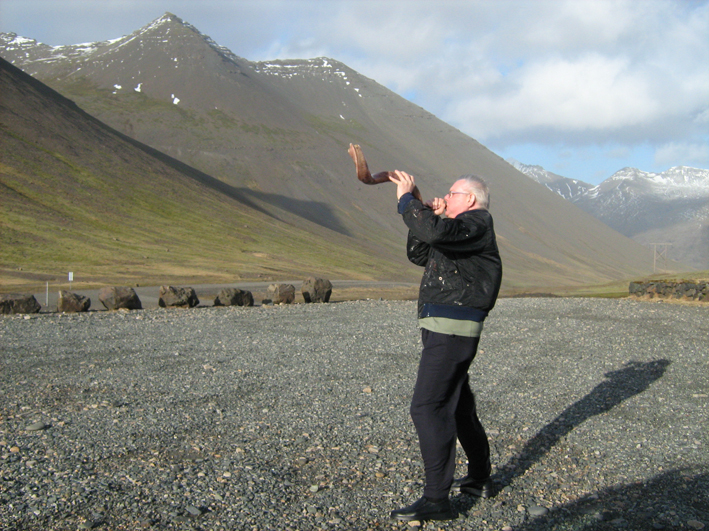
[473, 199]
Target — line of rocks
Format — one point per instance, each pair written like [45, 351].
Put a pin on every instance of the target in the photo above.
[686, 290]
[313, 289]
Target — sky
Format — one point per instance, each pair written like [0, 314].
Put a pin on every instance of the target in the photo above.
[583, 88]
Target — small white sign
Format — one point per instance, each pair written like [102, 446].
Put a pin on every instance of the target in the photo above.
[71, 276]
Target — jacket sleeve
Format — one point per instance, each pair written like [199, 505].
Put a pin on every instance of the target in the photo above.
[442, 233]
[417, 251]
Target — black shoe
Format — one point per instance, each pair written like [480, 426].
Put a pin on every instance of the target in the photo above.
[425, 509]
[482, 488]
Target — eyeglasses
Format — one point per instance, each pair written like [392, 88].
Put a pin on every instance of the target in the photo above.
[453, 193]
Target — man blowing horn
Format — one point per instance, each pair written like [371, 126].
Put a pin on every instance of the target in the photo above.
[454, 240]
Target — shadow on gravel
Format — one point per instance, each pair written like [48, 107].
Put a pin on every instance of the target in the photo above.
[620, 385]
[678, 499]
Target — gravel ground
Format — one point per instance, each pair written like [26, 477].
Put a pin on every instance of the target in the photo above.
[296, 417]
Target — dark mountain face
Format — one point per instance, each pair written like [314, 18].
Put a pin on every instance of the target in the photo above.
[277, 134]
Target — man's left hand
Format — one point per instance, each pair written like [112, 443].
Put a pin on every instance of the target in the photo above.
[438, 205]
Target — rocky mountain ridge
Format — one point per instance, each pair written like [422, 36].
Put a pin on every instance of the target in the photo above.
[670, 207]
[564, 186]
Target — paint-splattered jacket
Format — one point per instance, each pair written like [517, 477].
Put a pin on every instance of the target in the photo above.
[463, 267]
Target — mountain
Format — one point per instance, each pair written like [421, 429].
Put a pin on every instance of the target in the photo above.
[565, 187]
[669, 208]
[276, 134]
[76, 195]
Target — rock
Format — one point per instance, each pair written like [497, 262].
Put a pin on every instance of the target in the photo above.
[194, 511]
[316, 290]
[636, 288]
[37, 426]
[171, 297]
[69, 302]
[115, 298]
[19, 304]
[537, 510]
[233, 297]
[91, 524]
[281, 293]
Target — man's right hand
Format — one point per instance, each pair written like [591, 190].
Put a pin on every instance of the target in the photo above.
[404, 183]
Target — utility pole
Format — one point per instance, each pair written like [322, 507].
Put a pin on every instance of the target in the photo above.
[662, 253]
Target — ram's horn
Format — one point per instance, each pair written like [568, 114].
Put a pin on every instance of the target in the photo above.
[364, 175]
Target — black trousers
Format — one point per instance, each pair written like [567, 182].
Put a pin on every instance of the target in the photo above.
[443, 409]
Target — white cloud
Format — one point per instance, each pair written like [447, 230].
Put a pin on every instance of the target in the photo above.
[592, 93]
[702, 117]
[513, 71]
[681, 154]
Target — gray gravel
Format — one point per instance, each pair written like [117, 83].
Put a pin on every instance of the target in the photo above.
[296, 417]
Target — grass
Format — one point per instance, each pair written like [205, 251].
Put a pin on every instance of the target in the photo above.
[110, 223]
[694, 276]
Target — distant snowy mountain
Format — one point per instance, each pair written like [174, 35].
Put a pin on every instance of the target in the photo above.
[652, 208]
[565, 187]
[634, 201]
[680, 182]
[669, 208]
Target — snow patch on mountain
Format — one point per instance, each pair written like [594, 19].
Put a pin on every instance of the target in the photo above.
[324, 68]
[679, 182]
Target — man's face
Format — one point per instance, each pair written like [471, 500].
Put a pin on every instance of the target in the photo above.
[458, 200]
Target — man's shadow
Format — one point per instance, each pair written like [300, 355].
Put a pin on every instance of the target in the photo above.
[620, 385]
[683, 489]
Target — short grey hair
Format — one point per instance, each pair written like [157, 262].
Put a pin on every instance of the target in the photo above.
[476, 185]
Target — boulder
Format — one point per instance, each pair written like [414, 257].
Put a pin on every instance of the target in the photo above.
[171, 297]
[636, 288]
[69, 302]
[316, 289]
[281, 293]
[19, 304]
[233, 297]
[122, 297]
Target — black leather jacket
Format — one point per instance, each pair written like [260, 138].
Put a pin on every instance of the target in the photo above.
[463, 267]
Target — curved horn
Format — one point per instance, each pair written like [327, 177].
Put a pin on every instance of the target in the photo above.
[364, 175]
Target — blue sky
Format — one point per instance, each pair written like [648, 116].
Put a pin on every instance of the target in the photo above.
[581, 87]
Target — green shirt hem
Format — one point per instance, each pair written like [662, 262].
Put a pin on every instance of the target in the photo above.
[455, 327]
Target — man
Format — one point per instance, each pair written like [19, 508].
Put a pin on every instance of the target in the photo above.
[459, 287]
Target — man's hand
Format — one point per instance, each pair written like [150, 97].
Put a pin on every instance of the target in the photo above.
[404, 183]
[438, 205]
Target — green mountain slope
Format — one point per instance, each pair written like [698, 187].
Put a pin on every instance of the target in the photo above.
[77, 196]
